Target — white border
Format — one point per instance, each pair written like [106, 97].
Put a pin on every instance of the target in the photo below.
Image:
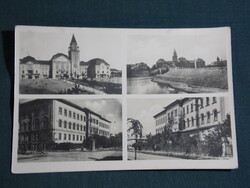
[124, 164]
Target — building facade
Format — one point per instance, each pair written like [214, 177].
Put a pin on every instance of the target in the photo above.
[64, 66]
[43, 122]
[190, 114]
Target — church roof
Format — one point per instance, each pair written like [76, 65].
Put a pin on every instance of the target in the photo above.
[97, 61]
[58, 55]
[28, 59]
[73, 40]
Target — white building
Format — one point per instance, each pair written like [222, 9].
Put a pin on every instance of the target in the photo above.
[64, 66]
[190, 114]
[43, 122]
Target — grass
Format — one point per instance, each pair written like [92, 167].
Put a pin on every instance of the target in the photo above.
[215, 78]
[44, 86]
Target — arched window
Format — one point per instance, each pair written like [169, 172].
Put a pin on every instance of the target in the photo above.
[60, 123]
[208, 117]
[69, 125]
[202, 118]
[215, 115]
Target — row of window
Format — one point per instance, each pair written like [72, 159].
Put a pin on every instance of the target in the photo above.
[192, 106]
[103, 125]
[164, 119]
[190, 122]
[69, 137]
[70, 114]
[35, 125]
[70, 125]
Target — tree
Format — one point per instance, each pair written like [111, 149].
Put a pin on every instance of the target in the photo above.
[219, 136]
[136, 128]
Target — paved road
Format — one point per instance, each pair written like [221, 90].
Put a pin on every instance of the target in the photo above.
[71, 156]
[143, 156]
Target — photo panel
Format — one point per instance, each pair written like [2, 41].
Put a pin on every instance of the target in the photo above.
[196, 128]
[178, 61]
[69, 130]
[68, 61]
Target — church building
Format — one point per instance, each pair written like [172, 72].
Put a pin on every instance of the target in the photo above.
[64, 66]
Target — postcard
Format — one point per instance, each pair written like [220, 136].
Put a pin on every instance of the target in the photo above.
[98, 99]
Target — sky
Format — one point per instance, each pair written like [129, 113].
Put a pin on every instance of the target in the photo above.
[150, 48]
[144, 110]
[92, 44]
[110, 109]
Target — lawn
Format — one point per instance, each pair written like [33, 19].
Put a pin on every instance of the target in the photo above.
[214, 78]
[43, 86]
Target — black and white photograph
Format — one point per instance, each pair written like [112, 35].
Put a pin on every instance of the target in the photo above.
[56, 130]
[178, 61]
[69, 62]
[181, 128]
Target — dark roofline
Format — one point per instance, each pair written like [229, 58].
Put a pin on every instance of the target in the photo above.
[71, 104]
[161, 112]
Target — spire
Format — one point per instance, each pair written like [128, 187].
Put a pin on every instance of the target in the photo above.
[174, 58]
[73, 40]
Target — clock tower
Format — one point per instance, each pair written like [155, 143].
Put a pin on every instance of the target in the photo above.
[74, 56]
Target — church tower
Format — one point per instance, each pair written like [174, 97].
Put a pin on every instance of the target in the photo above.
[74, 56]
[174, 58]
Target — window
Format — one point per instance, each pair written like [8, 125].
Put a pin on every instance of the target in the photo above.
[65, 137]
[69, 136]
[73, 137]
[74, 126]
[84, 119]
[192, 119]
[183, 111]
[80, 138]
[172, 114]
[208, 117]
[77, 137]
[207, 101]
[187, 122]
[84, 128]
[97, 122]
[65, 124]
[77, 116]
[65, 112]
[70, 114]
[81, 117]
[202, 103]
[60, 136]
[187, 109]
[69, 125]
[74, 115]
[184, 124]
[215, 115]
[175, 112]
[214, 100]
[60, 123]
[77, 127]
[80, 127]
[60, 111]
[192, 107]
[202, 118]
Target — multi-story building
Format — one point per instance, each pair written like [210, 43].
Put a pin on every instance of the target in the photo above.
[46, 121]
[64, 66]
[190, 114]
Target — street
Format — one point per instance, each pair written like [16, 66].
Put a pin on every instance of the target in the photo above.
[143, 156]
[71, 156]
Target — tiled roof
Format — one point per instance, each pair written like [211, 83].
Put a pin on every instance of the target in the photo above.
[97, 61]
[84, 63]
[28, 59]
[42, 62]
[58, 55]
